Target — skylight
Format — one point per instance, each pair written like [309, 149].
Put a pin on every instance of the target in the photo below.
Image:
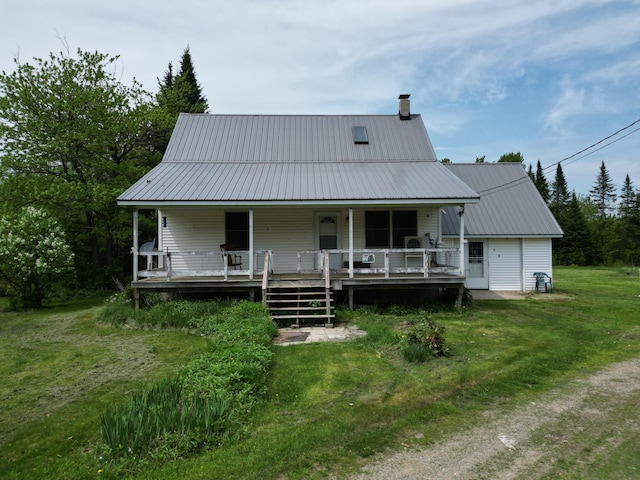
[360, 135]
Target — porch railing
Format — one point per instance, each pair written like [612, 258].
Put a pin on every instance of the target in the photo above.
[382, 261]
[162, 264]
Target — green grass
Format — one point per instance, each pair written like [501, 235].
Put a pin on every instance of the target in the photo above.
[330, 407]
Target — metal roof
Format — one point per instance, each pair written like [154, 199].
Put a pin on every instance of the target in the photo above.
[297, 138]
[510, 204]
[276, 158]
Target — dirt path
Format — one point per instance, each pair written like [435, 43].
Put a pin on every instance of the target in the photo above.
[526, 442]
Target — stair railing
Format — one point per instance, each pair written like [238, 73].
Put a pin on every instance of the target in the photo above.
[266, 273]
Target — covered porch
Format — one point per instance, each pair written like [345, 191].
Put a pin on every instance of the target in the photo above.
[340, 260]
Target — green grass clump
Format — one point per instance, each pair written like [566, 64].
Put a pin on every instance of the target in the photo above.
[163, 417]
[214, 392]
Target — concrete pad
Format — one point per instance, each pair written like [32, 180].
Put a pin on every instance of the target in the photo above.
[491, 295]
[291, 336]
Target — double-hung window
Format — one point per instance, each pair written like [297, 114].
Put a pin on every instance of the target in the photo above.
[384, 228]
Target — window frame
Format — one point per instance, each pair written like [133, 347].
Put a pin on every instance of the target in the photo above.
[396, 227]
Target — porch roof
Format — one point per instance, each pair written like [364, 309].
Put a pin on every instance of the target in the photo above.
[272, 182]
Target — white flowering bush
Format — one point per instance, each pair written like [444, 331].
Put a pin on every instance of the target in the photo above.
[34, 255]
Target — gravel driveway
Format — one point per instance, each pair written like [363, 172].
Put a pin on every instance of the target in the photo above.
[525, 442]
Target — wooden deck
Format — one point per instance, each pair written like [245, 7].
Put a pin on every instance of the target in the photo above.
[257, 283]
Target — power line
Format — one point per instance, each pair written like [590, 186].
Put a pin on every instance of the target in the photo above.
[595, 144]
[519, 181]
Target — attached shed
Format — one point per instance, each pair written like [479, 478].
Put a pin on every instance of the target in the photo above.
[508, 234]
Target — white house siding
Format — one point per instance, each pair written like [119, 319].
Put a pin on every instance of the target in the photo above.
[193, 230]
[285, 231]
[537, 258]
[505, 264]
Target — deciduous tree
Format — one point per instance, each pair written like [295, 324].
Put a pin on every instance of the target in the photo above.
[34, 255]
[516, 157]
[72, 138]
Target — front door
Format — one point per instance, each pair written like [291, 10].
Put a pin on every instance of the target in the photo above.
[328, 232]
[476, 268]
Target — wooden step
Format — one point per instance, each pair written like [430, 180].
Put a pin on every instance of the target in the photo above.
[293, 317]
[296, 283]
[300, 301]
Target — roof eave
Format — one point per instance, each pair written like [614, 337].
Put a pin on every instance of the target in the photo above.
[300, 203]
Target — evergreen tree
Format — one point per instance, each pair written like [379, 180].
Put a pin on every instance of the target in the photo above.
[559, 194]
[628, 231]
[541, 183]
[181, 92]
[532, 175]
[628, 199]
[576, 247]
[603, 193]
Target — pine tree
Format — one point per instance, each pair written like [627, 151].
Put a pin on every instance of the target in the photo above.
[188, 88]
[559, 194]
[628, 199]
[603, 193]
[181, 92]
[628, 231]
[541, 183]
[576, 247]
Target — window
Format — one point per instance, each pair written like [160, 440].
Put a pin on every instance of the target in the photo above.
[376, 229]
[237, 230]
[360, 135]
[476, 259]
[384, 228]
[405, 224]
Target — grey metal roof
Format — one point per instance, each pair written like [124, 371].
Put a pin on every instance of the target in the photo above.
[510, 205]
[251, 158]
[296, 138]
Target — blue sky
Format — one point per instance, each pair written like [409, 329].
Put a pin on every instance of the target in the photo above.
[544, 78]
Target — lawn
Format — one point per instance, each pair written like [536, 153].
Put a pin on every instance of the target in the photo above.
[330, 407]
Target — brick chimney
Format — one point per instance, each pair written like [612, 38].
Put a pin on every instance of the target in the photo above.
[404, 111]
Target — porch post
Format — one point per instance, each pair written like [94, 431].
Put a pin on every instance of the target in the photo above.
[251, 244]
[462, 240]
[351, 245]
[134, 249]
[160, 244]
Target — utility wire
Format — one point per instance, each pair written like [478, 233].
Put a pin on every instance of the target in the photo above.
[520, 181]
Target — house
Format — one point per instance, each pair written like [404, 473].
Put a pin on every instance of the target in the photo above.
[508, 234]
[300, 210]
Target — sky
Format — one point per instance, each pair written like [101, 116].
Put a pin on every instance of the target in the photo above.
[546, 78]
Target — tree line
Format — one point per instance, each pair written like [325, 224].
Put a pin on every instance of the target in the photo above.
[601, 228]
[73, 137]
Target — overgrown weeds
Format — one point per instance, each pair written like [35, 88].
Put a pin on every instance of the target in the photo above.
[425, 339]
[213, 393]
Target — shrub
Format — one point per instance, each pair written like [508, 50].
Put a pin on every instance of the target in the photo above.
[34, 256]
[213, 392]
[423, 340]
